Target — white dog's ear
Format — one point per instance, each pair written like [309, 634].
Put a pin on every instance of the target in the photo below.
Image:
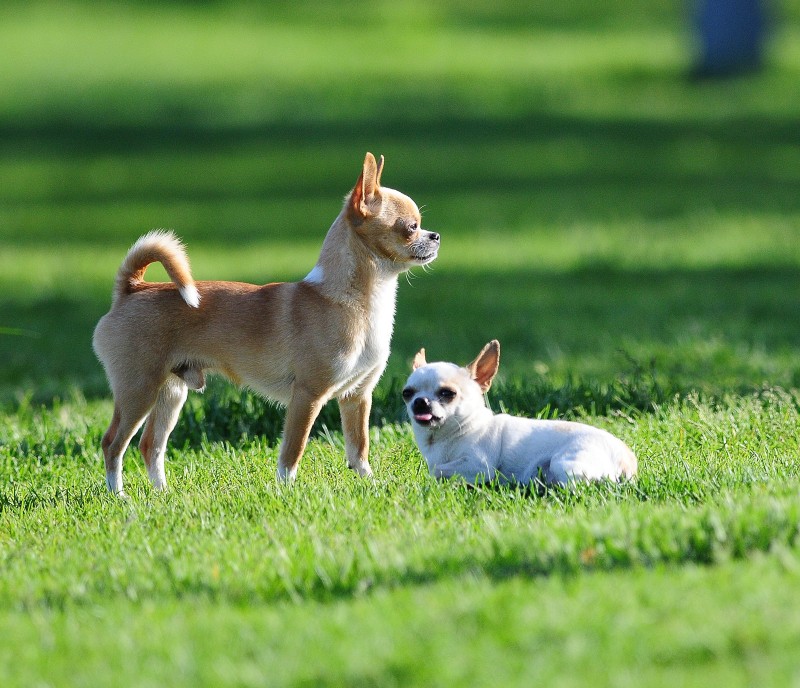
[485, 366]
[419, 360]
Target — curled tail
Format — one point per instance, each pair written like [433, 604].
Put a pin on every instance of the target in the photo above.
[160, 246]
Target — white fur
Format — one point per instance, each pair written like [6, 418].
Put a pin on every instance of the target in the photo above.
[190, 295]
[379, 333]
[366, 358]
[468, 440]
[286, 475]
[157, 474]
[316, 276]
[114, 482]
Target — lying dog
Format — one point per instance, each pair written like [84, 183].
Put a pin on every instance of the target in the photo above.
[299, 343]
[459, 436]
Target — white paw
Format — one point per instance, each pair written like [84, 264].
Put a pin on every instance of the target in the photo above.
[114, 484]
[286, 475]
[363, 469]
[158, 479]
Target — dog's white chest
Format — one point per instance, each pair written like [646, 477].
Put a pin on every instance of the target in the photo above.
[381, 321]
[370, 348]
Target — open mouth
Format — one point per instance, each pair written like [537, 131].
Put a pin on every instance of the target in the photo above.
[426, 418]
[423, 258]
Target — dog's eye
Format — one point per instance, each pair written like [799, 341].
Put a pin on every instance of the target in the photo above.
[446, 394]
[410, 228]
[408, 393]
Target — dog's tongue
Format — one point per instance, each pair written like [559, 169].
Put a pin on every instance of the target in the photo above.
[423, 417]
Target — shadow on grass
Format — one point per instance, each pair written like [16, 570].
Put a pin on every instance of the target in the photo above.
[588, 340]
[52, 356]
[557, 165]
[87, 136]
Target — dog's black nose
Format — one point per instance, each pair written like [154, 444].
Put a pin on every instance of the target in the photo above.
[434, 236]
[421, 405]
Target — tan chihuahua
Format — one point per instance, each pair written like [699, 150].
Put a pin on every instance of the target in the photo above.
[298, 343]
[459, 436]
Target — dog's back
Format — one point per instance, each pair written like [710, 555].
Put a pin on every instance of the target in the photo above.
[560, 451]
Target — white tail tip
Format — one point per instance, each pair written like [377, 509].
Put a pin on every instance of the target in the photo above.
[191, 295]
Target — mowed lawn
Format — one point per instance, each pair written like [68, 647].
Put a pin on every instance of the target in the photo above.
[630, 237]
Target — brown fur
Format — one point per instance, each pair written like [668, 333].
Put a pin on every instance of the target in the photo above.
[299, 343]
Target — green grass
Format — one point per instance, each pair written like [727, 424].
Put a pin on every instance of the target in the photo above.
[505, 628]
[230, 578]
[630, 237]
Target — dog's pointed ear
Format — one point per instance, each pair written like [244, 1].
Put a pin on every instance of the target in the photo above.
[485, 366]
[419, 360]
[366, 190]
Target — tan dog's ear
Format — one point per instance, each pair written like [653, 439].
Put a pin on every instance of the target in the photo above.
[419, 360]
[366, 190]
[485, 366]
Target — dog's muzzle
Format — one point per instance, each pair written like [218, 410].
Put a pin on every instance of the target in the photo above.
[426, 250]
[422, 411]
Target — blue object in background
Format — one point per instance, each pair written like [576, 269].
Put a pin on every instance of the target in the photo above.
[731, 37]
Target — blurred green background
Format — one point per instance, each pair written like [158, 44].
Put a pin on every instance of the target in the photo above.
[601, 214]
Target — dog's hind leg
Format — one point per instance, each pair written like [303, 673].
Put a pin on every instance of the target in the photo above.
[160, 423]
[129, 414]
[113, 461]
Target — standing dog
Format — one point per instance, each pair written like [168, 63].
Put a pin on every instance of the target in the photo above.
[459, 436]
[298, 343]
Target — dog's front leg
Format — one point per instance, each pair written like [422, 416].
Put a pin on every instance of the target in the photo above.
[301, 413]
[469, 468]
[355, 426]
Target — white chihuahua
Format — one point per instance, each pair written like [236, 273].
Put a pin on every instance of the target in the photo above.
[459, 436]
